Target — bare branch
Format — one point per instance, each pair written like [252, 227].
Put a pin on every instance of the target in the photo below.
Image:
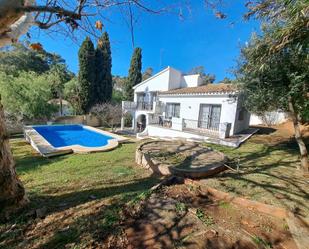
[56, 10]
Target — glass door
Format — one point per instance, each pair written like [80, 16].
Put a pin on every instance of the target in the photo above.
[215, 117]
[203, 121]
[209, 116]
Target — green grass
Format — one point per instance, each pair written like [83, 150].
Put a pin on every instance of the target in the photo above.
[180, 207]
[205, 218]
[88, 190]
[267, 173]
[261, 242]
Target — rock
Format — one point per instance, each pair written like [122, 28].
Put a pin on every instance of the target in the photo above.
[211, 233]
[41, 212]
[64, 229]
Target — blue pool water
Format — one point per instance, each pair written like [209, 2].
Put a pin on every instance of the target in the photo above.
[66, 135]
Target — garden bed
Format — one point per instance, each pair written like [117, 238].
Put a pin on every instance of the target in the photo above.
[180, 158]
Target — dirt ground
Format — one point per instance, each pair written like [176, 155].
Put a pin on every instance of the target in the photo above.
[179, 216]
[278, 134]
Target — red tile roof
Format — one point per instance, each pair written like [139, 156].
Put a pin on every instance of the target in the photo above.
[209, 88]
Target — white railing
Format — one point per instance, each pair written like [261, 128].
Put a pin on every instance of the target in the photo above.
[156, 106]
[144, 106]
[200, 127]
[188, 125]
[128, 105]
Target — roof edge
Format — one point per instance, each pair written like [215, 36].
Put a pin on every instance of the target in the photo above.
[152, 77]
[201, 93]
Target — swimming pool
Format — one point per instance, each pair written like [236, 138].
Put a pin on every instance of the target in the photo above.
[66, 135]
[60, 139]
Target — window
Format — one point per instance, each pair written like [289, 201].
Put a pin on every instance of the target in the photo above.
[172, 110]
[153, 96]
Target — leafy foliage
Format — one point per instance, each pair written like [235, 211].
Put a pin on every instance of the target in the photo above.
[135, 74]
[119, 83]
[270, 78]
[147, 74]
[86, 74]
[72, 93]
[27, 95]
[289, 17]
[118, 96]
[19, 64]
[21, 58]
[59, 75]
[103, 87]
[274, 66]
[207, 78]
[227, 80]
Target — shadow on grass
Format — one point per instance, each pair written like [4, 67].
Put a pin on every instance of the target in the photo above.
[27, 159]
[62, 208]
[65, 201]
[276, 174]
[262, 130]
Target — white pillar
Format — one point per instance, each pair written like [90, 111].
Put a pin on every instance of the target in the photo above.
[122, 123]
[224, 130]
[134, 123]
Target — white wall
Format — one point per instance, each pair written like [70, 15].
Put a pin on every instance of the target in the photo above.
[190, 106]
[158, 83]
[165, 80]
[191, 80]
[155, 131]
[271, 118]
[241, 125]
[175, 79]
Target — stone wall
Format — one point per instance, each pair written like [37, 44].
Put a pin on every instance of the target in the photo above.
[89, 120]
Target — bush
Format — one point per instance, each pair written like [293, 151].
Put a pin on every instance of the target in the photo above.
[110, 114]
[27, 95]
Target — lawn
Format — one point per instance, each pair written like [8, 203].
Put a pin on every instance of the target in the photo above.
[79, 195]
[76, 199]
[267, 171]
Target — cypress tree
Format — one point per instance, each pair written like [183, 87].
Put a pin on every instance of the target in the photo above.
[86, 74]
[135, 73]
[104, 83]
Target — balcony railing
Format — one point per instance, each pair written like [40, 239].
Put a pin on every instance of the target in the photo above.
[156, 107]
[189, 125]
[128, 105]
[201, 127]
[147, 106]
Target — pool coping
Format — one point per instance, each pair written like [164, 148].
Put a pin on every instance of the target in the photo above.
[40, 144]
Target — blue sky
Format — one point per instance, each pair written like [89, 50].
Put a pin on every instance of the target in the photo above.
[166, 40]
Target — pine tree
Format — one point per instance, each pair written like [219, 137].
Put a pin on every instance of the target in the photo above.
[86, 74]
[104, 82]
[135, 73]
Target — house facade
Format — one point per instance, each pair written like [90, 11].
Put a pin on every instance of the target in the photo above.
[170, 104]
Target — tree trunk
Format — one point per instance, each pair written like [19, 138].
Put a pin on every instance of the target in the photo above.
[12, 192]
[299, 139]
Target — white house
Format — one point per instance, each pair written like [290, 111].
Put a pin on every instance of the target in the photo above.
[171, 104]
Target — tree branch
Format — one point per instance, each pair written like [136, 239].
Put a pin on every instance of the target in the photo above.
[52, 9]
